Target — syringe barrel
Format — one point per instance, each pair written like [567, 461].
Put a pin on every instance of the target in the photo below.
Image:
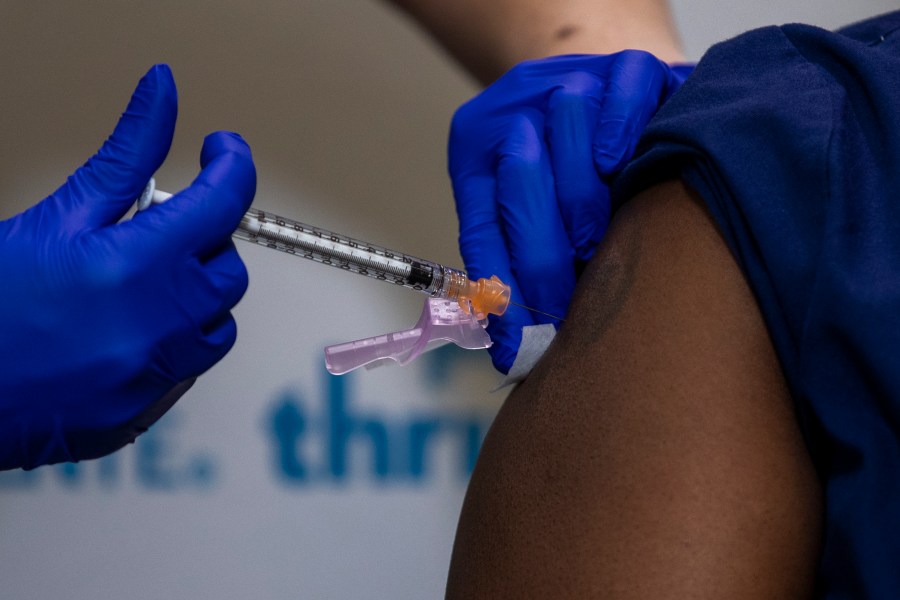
[483, 297]
[337, 250]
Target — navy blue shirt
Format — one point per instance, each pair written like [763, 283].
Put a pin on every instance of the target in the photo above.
[791, 135]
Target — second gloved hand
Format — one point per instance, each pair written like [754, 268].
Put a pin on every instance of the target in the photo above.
[529, 158]
[103, 321]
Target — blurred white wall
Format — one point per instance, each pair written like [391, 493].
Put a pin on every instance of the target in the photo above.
[705, 22]
[243, 490]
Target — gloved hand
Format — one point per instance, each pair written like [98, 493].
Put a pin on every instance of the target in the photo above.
[105, 323]
[530, 158]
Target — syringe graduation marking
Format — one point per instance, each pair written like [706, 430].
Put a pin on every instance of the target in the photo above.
[331, 249]
[337, 253]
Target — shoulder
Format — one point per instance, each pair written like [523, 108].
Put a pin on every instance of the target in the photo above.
[654, 438]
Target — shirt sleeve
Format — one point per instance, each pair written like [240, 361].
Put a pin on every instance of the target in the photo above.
[791, 136]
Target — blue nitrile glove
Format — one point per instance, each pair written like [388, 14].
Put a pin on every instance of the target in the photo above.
[104, 324]
[529, 158]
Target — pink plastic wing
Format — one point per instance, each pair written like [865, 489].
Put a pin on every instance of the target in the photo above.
[442, 321]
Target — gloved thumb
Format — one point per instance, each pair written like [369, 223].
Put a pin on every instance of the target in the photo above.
[639, 84]
[103, 189]
[506, 335]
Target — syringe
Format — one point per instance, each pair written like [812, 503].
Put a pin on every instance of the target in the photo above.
[485, 296]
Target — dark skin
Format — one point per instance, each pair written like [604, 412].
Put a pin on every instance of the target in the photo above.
[654, 451]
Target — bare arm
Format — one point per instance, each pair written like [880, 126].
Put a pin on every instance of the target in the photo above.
[490, 36]
[653, 453]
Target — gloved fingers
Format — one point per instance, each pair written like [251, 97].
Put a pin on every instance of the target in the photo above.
[204, 292]
[506, 335]
[541, 256]
[200, 329]
[226, 275]
[483, 248]
[95, 444]
[481, 239]
[636, 88]
[573, 111]
[104, 189]
[219, 337]
[505, 330]
[202, 217]
[193, 353]
[678, 74]
[487, 255]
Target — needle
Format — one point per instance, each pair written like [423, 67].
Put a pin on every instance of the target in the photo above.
[537, 311]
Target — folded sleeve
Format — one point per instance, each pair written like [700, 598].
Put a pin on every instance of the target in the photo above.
[791, 136]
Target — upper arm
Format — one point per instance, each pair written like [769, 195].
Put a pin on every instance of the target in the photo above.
[488, 38]
[653, 452]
